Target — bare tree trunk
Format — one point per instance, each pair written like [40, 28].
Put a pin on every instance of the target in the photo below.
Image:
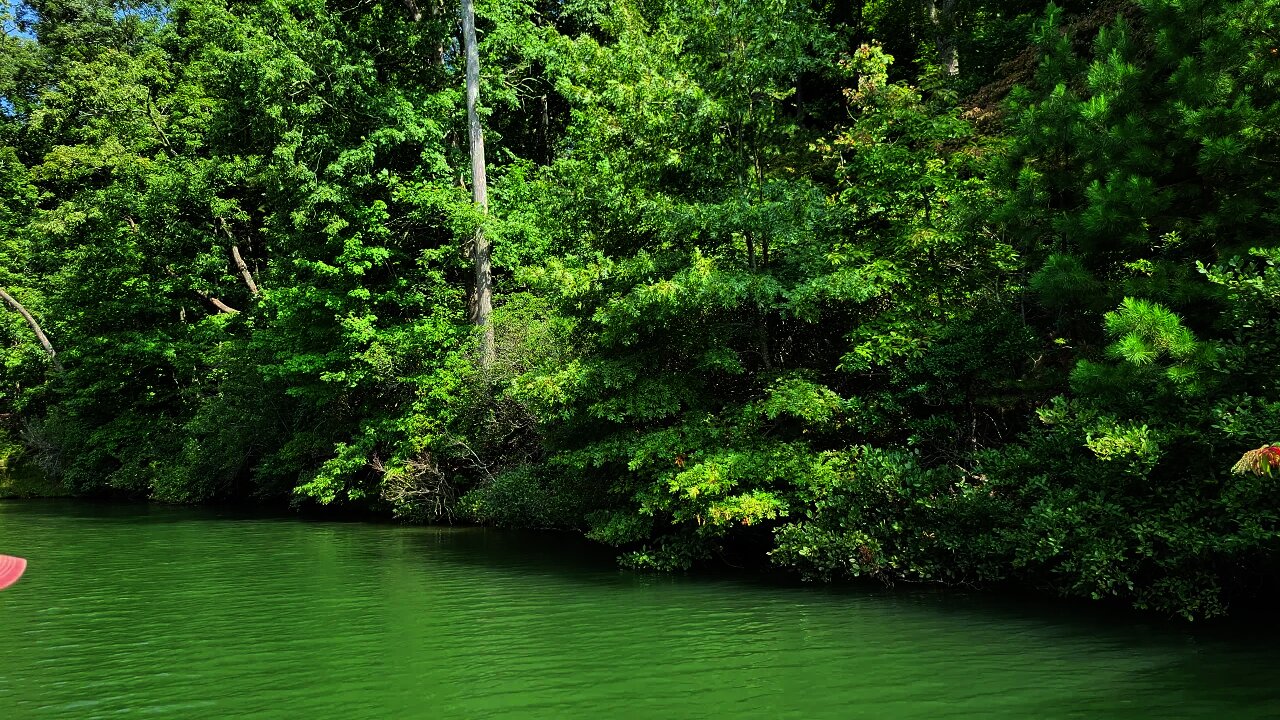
[35, 327]
[545, 129]
[942, 16]
[482, 297]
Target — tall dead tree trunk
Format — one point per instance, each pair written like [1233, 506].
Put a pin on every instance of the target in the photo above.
[482, 295]
[942, 16]
[35, 328]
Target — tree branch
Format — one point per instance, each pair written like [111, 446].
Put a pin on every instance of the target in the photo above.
[240, 263]
[156, 124]
[244, 270]
[35, 327]
[222, 307]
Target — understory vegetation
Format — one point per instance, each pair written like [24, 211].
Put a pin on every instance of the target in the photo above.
[950, 291]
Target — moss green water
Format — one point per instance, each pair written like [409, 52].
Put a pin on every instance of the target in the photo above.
[175, 613]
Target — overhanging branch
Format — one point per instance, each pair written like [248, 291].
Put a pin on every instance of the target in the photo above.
[35, 327]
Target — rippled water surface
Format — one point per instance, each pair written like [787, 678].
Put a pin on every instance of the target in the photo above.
[173, 613]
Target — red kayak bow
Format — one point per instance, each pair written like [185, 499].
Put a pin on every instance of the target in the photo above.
[11, 568]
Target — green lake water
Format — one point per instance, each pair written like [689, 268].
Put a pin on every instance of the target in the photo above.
[152, 612]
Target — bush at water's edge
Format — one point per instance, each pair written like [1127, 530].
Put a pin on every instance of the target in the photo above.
[21, 479]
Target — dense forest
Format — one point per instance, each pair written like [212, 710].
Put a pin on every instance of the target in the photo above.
[950, 291]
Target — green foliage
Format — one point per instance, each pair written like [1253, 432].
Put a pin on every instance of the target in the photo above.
[880, 513]
[529, 497]
[765, 293]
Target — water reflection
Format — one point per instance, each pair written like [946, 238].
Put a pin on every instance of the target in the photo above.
[173, 612]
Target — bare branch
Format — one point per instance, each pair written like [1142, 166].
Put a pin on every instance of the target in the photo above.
[417, 484]
[235, 255]
[164, 139]
[222, 307]
[244, 270]
[35, 327]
